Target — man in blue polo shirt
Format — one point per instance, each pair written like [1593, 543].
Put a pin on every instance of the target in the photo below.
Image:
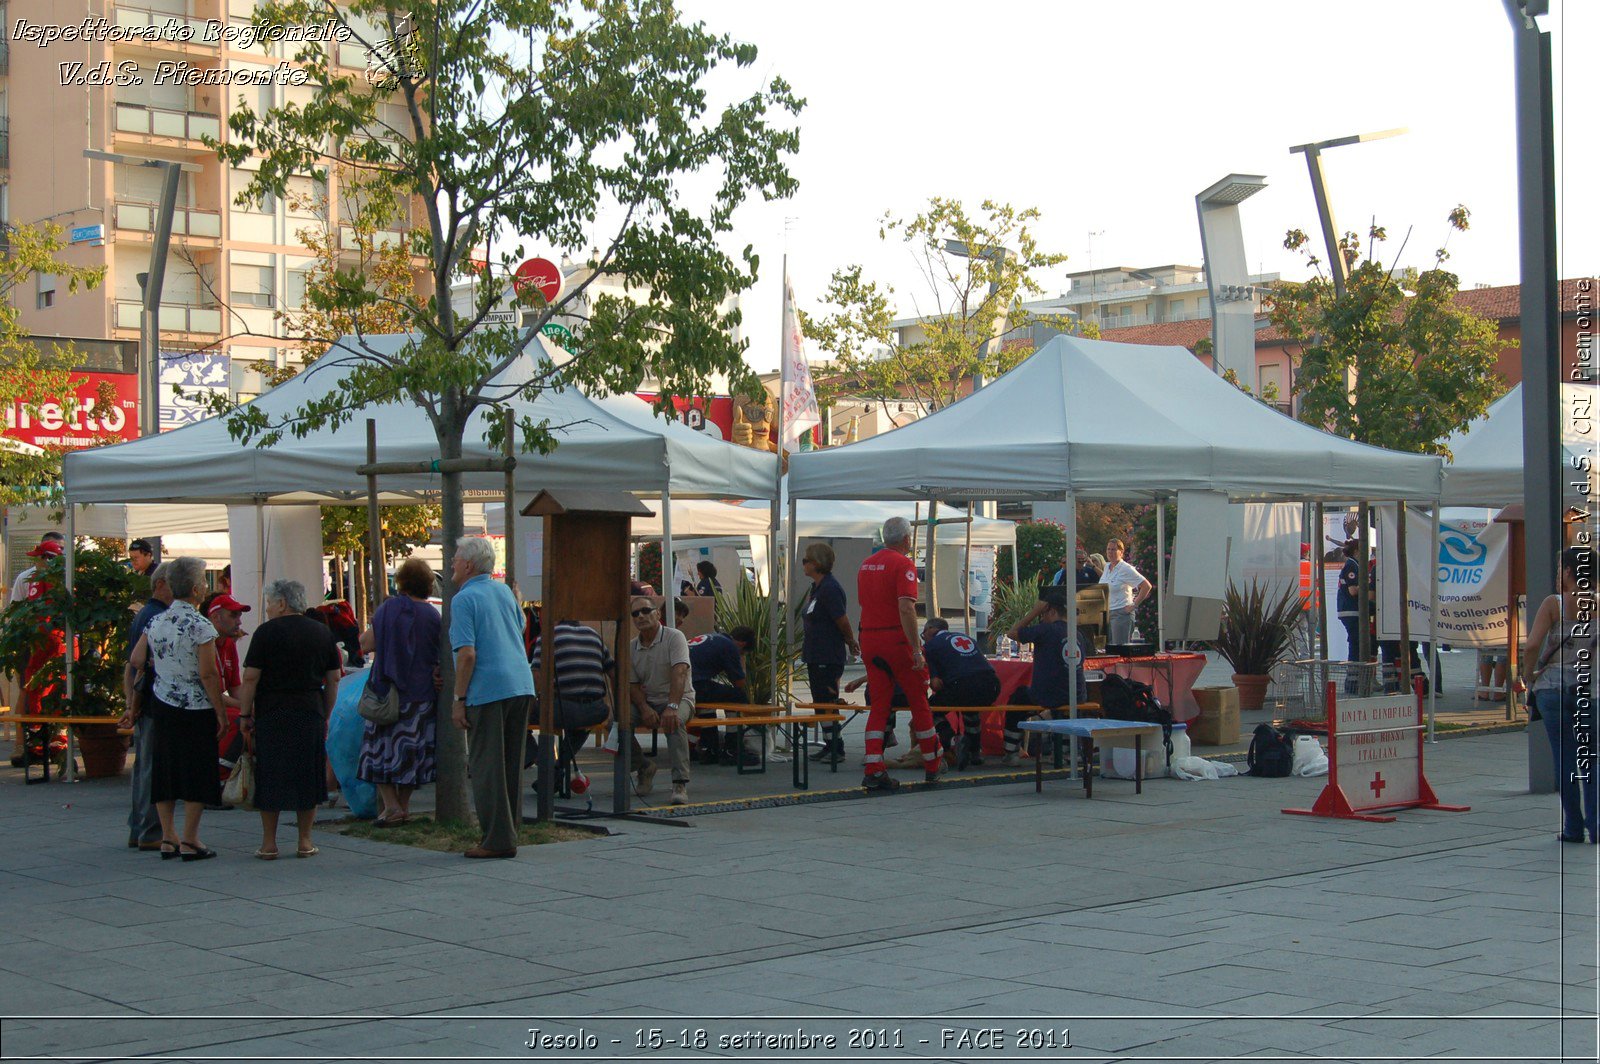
[493, 685]
[960, 676]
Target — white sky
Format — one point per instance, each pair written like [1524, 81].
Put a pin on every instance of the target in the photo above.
[1110, 116]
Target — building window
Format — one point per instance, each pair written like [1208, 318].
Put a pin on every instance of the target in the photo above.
[1175, 310]
[250, 286]
[267, 204]
[294, 294]
[47, 290]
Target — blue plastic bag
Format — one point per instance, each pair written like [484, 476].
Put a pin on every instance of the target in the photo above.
[345, 728]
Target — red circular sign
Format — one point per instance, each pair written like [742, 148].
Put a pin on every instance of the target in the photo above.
[539, 275]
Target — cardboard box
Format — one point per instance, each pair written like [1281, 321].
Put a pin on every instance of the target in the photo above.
[1218, 722]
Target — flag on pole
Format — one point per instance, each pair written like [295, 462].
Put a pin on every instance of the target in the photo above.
[799, 414]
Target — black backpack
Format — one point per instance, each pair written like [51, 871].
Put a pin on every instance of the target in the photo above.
[1125, 699]
[1271, 753]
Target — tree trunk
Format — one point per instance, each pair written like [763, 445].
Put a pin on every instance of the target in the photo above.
[450, 792]
[338, 577]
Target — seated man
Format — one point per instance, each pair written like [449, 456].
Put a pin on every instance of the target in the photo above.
[583, 667]
[960, 676]
[716, 669]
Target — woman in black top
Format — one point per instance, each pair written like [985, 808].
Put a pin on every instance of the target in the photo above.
[708, 586]
[291, 679]
[829, 641]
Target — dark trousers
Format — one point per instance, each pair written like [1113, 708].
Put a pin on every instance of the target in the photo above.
[717, 691]
[824, 683]
[979, 689]
[1569, 734]
[495, 737]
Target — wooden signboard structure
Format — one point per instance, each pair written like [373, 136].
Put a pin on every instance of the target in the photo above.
[586, 552]
[1375, 758]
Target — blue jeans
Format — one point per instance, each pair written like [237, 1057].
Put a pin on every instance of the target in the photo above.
[1575, 767]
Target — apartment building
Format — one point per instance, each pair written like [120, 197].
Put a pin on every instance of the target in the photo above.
[176, 70]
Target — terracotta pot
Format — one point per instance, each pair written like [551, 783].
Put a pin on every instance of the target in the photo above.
[105, 753]
[1252, 690]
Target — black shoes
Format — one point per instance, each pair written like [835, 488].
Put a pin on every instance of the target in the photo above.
[833, 750]
[880, 783]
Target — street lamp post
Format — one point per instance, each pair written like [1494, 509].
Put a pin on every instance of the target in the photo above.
[150, 283]
[1319, 189]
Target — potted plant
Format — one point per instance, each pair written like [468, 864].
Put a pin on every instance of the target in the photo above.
[1257, 632]
[747, 605]
[98, 612]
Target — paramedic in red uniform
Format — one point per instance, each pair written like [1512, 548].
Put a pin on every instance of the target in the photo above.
[886, 587]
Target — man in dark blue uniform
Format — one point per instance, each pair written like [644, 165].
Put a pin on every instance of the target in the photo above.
[960, 676]
[716, 672]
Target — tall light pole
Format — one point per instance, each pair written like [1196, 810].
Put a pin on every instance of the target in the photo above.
[1319, 189]
[1233, 332]
[150, 283]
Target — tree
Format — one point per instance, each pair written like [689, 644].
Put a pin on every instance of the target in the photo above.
[576, 123]
[344, 532]
[1424, 366]
[1002, 255]
[32, 376]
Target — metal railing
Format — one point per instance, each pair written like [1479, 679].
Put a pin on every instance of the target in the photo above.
[163, 122]
[173, 26]
[175, 317]
[186, 221]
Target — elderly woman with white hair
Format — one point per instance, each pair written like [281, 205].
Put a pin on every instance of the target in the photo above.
[291, 680]
[187, 708]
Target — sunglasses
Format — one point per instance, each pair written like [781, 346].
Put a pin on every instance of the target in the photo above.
[645, 612]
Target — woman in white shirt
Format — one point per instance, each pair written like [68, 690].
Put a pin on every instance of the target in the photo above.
[1126, 588]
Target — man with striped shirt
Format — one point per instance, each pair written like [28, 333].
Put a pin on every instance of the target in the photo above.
[582, 663]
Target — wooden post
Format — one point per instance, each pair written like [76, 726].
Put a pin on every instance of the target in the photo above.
[1405, 597]
[376, 584]
[511, 511]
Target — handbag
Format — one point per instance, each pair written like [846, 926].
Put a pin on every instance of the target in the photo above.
[580, 713]
[240, 790]
[379, 709]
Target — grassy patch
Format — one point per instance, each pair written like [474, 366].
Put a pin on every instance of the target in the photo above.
[452, 836]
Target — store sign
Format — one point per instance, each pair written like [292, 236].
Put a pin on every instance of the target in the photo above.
[712, 416]
[88, 424]
[539, 275]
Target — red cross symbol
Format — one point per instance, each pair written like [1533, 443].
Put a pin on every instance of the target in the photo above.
[1378, 784]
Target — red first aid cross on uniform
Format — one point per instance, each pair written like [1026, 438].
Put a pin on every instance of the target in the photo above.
[962, 644]
[697, 640]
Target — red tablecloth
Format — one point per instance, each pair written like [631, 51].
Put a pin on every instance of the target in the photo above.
[1183, 669]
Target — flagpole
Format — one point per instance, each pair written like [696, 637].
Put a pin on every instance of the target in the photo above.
[775, 540]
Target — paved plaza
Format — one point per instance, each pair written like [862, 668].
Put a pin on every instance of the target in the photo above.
[1194, 922]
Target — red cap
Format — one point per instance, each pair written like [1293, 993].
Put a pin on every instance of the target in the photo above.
[47, 549]
[226, 601]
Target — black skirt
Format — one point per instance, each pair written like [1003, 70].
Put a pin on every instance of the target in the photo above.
[291, 753]
[183, 761]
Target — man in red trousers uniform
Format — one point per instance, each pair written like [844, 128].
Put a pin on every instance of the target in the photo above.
[886, 587]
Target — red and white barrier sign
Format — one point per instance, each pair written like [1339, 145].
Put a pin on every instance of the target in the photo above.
[1375, 759]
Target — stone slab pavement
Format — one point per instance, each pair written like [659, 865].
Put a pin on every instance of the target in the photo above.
[1194, 922]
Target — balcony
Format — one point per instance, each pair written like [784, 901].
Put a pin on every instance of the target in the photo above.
[139, 120]
[175, 318]
[381, 238]
[186, 221]
[166, 31]
[5, 55]
[5, 143]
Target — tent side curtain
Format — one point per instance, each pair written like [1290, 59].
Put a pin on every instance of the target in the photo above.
[1104, 420]
[615, 443]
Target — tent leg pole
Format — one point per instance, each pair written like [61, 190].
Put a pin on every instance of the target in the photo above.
[1402, 519]
[794, 567]
[966, 575]
[1071, 525]
[1433, 623]
[261, 556]
[669, 567]
[1319, 575]
[70, 567]
[1161, 573]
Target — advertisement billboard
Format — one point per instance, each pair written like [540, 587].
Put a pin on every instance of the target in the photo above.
[52, 425]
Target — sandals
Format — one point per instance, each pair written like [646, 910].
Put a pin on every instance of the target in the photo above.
[309, 851]
[391, 821]
[266, 855]
[196, 852]
[168, 854]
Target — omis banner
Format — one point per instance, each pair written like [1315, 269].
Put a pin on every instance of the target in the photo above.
[54, 425]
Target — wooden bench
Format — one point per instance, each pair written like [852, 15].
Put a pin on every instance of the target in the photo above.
[26, 720]
[1085, 709]
[745, 717]
[1090, 732]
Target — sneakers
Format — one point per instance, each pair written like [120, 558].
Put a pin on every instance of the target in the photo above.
[680, 794]
[880, 782]
[647, 776]
[1011, 760]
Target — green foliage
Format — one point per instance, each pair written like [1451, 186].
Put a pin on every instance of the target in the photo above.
[1424, 365]
[344, 528]
[964, 314]
[1011, 604]
[1257, 628]
[650, 565]
[1040, 546]
[98, 612]
[746, 605]
[31, 376]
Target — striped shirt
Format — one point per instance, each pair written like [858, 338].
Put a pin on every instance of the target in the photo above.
[581, 661]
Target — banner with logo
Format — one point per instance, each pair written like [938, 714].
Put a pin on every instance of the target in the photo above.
[90, 424]
[199, 375]
[1473, 558]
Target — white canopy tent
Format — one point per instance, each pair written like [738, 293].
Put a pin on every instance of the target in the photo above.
[1088, 419]
[1100, 420]
[1485, 468]
[616, 443]
[121, 521]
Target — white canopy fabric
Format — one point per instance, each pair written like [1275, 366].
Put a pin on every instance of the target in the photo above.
[816, 519]
[1110, 421]
[122, 521]
[1486, 458]
[616, 443]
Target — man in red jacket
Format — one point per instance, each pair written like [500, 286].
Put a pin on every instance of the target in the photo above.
[886, 587]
